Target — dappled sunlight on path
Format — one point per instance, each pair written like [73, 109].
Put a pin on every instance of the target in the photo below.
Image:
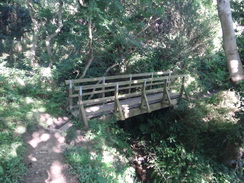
[44, 155]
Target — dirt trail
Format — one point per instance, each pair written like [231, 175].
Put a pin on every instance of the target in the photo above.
[44, 155]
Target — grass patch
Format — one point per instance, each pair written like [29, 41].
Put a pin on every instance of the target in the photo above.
[101, 157]
[20, 107]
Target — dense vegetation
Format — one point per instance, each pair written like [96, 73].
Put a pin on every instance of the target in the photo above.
[45, 42]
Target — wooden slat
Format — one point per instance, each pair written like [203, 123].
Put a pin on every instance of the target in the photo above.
[137, 82]
[114, 77]
[129, 103]
[122, 96]
[127, 82]
[110, 90]
[148, 88]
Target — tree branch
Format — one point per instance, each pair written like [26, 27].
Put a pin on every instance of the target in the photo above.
[148, 25]
[36, 29]
[90, 47]
[56, 32]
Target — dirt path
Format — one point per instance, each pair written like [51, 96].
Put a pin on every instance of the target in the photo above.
[44, 155]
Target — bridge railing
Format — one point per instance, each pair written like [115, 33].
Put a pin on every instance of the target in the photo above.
[112, 89]
[85, 82]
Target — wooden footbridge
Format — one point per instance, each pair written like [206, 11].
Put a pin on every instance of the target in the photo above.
[124, 95]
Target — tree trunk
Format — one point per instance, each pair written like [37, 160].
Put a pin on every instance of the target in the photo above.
[36, 29]
[91, 54]
[229, 41]
[56, 32]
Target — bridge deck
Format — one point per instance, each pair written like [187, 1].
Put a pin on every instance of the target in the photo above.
[127, 105]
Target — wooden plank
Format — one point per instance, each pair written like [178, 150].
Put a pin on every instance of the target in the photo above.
[98, 100]
[144, 100]
[97, 79]
[114, 77]
[182, 87]
[122, 96]
[70, 94]
[82, 113]
[126, 109]
[154, 107]
[117, 106]
[123, 88]
[135, 103]
[127, 104]
[140, 81]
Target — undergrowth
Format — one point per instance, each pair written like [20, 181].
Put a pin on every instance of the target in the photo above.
[196, 142]
[101, 157]
[23, 97]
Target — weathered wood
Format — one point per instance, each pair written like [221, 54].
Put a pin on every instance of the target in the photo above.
[115, 77]
[138, 111]
[117, 107]
[104, 81]
[70, 94]
[124, 95]
[144, 100]
[166, 95]
[122, 83]
[82, 113]
[122, 88]
[121, 96]
[126, 104]
[182, 87]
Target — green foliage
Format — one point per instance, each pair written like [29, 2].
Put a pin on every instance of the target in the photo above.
[194, 142]
[100, 159]
[24, 95]
[208, 74]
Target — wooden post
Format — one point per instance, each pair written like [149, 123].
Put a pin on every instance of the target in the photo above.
[151, 81]
[130, 83]
[117, 107]
[104, 80]
[70, 94]
[166, 93]
[82, 112]
[169, 80]
[183, 89]
[144, 98]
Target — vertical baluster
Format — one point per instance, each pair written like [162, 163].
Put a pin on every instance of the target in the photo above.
[117, 106]
[166, 93]
[151, 81]
[104, 80]
[144, 99]
[70, 94]
[169, 79]
[183, 89]
[130, 83]
[82, 112]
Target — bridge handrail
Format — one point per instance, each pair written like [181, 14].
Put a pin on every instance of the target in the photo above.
[123, 83]
[107, 78]
[85, 82]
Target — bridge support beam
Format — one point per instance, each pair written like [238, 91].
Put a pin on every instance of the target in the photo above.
[82, 112]
[183, 89]
[117, 107]
[144, 101]
[166, 95]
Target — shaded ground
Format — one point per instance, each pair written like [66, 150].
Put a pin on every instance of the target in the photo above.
[44, 154]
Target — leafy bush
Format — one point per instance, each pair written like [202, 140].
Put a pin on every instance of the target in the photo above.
[194, 142]
[212, 71]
